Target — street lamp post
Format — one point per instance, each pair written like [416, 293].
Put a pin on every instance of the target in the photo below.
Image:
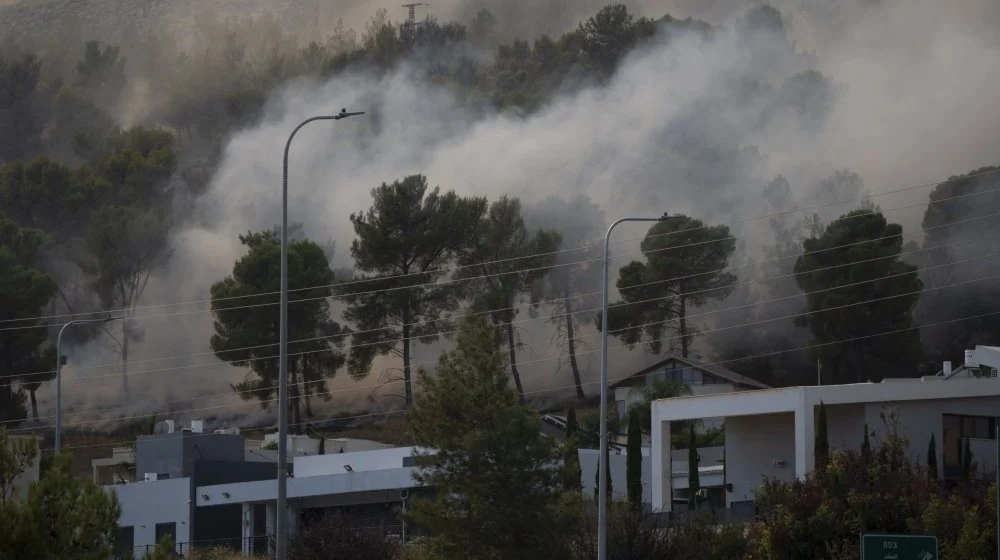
[602, 507]
[281, 541]
[58, 446]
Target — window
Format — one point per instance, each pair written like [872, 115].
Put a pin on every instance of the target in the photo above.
[164, 529]
[124, 542]
[956, 428]
[621, 409]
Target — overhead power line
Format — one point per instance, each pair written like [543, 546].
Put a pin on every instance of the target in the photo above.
[547, 317]
[555, 300]
[623, 346]
[525, 257]
[567, 387]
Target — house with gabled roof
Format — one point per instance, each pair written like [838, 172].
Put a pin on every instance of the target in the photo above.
[702, 378]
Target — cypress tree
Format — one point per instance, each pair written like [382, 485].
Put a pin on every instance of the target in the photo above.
[822, 445]
[932, 468]
[866, 445]
[571, 454]
[967, 461]
[633, 471]
[597, 477]
[694, 482]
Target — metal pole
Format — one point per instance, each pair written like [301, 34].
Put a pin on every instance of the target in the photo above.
[281, 543]
[996, 433]
[602, 492]
[58, 446]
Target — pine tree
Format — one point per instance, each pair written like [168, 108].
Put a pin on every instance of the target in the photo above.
[932, 467]
[633, 470]
[482, 447]
[822, 442]
[403, 241]
[694, 481]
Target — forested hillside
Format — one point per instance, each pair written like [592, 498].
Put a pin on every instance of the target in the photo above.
[140, 168]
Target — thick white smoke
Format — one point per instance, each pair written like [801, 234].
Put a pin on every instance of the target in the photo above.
[912, 100]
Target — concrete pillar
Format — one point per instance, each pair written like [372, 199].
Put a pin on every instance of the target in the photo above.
[661, 489]
[805, 438]
[248, 525]
[271, 526]
[294, 519]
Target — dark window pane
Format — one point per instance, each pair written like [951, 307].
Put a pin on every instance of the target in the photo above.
[968, 426]
[952, 444]
[951, 422]
[982, 427]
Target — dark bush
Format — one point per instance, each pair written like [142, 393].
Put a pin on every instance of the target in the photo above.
[336, 537]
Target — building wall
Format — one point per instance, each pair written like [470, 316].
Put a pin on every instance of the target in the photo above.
[377, 459]
[175, 454]
[845, 425]
[753, 444]
[920, 419]
[224, 524]
[589, 459]
[144, 504]
[625, 397]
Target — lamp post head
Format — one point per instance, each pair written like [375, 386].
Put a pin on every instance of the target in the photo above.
[344, 114]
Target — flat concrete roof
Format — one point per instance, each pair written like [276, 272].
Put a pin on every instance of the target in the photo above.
[790, 399]
[311, 486]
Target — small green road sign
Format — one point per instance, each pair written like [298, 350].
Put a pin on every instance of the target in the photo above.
[899, 547]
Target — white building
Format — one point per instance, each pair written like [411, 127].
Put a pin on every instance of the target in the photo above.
[771, 433]
[375, 482]
[701, 378]
[710, 473]
[116, 468]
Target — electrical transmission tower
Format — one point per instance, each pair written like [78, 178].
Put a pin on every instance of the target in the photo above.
[409, 27]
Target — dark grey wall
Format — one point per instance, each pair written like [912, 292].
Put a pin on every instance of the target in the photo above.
[161, 454]
[223, 525]
[175, 454]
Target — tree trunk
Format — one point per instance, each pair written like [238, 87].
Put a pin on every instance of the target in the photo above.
[567, 303]
[684, 331]
[34, 405]
[125, 357]
[513, 362]
[407, 383]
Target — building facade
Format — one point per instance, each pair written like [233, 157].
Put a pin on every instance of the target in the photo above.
[771, 433]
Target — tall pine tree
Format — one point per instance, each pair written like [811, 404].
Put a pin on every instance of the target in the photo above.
[403, 241]
[503, 264]
[684, 268]
[857, 288]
